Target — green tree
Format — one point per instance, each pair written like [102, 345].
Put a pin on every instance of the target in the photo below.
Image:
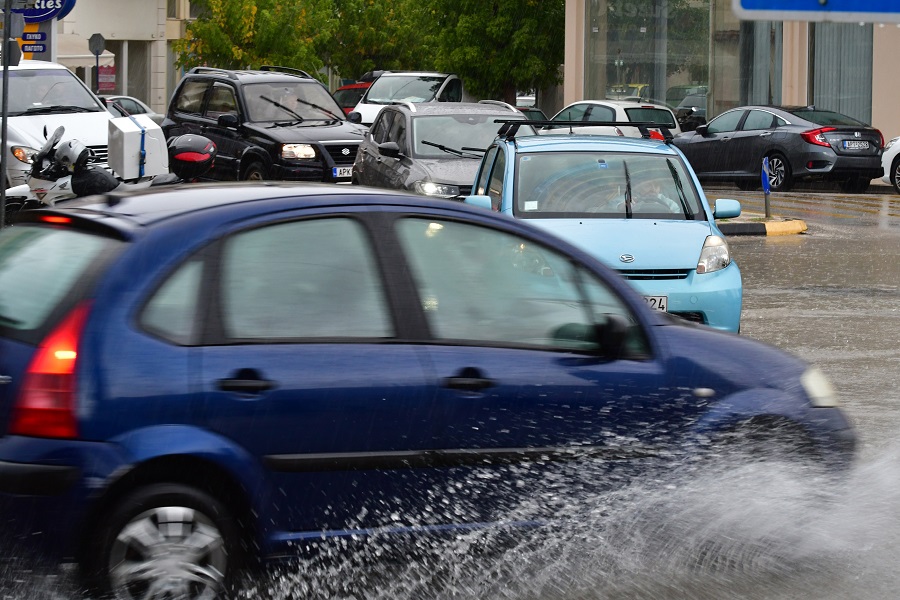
[499, 47]
[379, 34]
[232, 34]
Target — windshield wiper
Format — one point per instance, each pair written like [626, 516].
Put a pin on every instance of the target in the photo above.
[4, 320]
[628, 213]
[453, 151]
[56, 108]
[681, 197]
[284, 108]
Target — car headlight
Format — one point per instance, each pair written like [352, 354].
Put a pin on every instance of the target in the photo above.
[714, 256]
[294, 151]
[819, 389]
[23, 153]
[441, 190]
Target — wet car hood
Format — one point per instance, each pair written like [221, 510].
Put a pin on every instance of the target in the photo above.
[654, 244]
[309, 131]
[454, 171]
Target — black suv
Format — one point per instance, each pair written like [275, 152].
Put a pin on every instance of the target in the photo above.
[271, 123]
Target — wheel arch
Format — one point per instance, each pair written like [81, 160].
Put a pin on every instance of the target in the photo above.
[252, 155]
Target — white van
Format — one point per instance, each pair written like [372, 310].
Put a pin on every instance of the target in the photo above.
[43, 96]
[408, 86]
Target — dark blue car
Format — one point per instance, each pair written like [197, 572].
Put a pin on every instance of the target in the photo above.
[196, 379]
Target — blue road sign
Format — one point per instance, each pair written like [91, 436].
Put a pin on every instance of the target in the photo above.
[767, 186]
[852, 11]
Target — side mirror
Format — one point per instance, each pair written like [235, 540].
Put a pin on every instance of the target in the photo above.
[703, 130]
[354, 117]
[389, 149]
[726, 209]
[228, 120]
[479, 201]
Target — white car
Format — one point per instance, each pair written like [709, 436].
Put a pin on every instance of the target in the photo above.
[890, 162]
[614, 111]
[131, 106]
[407, 86]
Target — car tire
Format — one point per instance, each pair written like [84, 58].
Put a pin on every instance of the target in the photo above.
[781, 178]
[895, 174]
[147, 528]
[854, 185]
[255, 171]
[748, 185]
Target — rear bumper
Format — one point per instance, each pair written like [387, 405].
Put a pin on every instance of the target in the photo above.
[37, 480]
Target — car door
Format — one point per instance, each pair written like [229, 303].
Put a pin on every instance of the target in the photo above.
[303, 366]
[230, 146]
[750, 142]
[710, 152]
[186, 112]
[521, 392]
[371, 169]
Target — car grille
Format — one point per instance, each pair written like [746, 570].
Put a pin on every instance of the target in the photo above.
[650, 274]
[342, 154]
[100, 155]
[695, 317]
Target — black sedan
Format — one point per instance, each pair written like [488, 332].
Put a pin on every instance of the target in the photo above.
[801, 143]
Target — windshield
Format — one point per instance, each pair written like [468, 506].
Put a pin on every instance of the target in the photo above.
[290, 101]
[469, 134]
[42, 91]
[407, 88]
[564, 185]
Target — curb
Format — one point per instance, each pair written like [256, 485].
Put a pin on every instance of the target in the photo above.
[777, 226]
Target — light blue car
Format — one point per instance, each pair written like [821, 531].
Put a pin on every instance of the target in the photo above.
[634, 203]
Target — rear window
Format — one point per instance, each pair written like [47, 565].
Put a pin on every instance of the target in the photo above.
[826, 117]
[651, 115]
[41, 270]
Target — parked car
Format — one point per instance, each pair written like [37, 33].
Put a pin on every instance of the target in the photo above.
[801, 143]
[890, 163]
[272, 123]
[533, 113]
[677, 93]
[42, 96]
[432, 149]
[634, 204]
[131, 105]
[348, 96]
[408, 86]
[200, 377]
[621, 91]
[691, 111]
[593, 111]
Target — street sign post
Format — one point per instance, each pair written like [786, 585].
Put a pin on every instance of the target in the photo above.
[97, 44]
[766, 184]
[848, 11]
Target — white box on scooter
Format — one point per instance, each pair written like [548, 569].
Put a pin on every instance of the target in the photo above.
[125, 135]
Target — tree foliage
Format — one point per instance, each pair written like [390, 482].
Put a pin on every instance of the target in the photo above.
[232, 34]
[499, 47]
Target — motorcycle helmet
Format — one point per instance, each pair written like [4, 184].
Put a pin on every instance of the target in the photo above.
[73, 155]
[191, 155]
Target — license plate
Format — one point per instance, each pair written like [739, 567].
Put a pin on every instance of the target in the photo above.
[660, 303]
[342, 172]
[856, 145]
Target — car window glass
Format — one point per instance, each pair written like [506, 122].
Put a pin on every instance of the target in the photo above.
[314, 278]
[601, 113]
[221, 102]
[486, 165]
[572, 113]
[495, 186]
[452, 92]
[190, 99]
[172, 310]
[39, 266]
[411, 88]
[484, 285]
[725, 122]
[758, 119]
[651, 115]
[382, 126]
[289, 101]
[398, 132]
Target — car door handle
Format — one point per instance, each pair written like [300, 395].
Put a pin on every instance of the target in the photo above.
[765, 134]
[246, 381]
[469, 379]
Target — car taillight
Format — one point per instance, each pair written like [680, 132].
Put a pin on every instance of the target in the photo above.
[881, 136]
[46, 403]
[817, 136]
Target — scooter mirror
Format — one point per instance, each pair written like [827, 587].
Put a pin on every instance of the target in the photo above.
[49, 144]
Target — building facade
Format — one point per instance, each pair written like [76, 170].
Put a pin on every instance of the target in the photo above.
[663, 49]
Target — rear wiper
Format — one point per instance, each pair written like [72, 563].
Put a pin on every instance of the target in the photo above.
[56, 108]
[453, 151]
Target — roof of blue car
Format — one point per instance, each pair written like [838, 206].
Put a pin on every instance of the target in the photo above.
[582, 142]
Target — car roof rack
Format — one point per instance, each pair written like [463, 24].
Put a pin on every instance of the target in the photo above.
[213, 70]
[499, 103]
[510, 128]
[286, 70]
